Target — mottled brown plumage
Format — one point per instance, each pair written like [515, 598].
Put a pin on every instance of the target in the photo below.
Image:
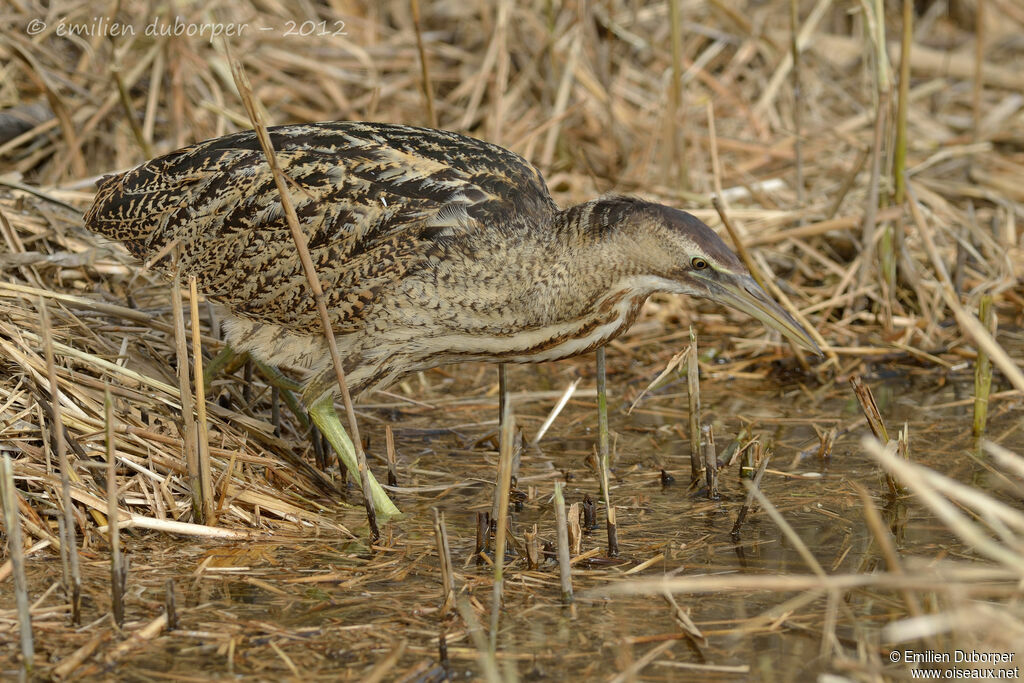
[432, 247]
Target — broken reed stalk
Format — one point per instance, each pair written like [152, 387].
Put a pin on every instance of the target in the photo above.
[750, 455]
[870, 408]
[501, 494]
[874, 418]
[604, 454]
[502, 398]
[562, 531]
[12, 524]
[299, 238]
[693, 389]
[247, 380]
[65, 559]
[903, 442]
[444, 555]
[187, 416]
[118, 575]
[983, 368]
[710, 459]
[754, 485]
[170, 607]
[202, 435]
[575, 530]
[827, 440]
[589, 512]
[73, 583]
[732, 451]
[533, 552]
[483, 536]
[389, 444]
[442, 653]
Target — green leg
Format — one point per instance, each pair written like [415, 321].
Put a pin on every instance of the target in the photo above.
[326, 419]
[228, 361]
[277, 378]
[288, 387]
[323, 416]
[225, 361]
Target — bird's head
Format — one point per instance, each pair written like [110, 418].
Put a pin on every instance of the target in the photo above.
[684, 255]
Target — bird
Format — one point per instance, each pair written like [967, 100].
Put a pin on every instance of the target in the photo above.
[432, 248]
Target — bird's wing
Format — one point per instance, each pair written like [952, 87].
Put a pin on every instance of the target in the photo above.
[372, 199]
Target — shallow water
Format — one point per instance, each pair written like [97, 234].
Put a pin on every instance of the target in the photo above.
[331, 608]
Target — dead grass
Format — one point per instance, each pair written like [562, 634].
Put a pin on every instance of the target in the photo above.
[603, 98]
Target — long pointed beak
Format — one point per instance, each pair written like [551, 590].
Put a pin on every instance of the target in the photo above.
[744, 294]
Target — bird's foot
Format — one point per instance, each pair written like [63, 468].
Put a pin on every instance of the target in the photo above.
[326, 419]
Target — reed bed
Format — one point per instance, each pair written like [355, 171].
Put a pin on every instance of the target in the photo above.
[868, 157]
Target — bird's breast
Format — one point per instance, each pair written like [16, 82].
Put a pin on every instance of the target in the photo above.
[554, 341]
[613, 317]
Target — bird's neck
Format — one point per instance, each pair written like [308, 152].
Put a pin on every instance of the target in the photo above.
[588, 223]
[593, 239]
[591, 257]
[573, 285]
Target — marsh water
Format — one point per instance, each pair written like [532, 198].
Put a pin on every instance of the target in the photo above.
[328, 607]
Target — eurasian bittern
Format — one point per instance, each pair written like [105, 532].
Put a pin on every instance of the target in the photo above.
[432, 248]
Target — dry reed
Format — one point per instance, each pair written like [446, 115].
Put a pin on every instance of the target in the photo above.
[879, 206]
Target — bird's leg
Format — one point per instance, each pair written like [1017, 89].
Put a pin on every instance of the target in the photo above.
[326, 419]
[288, 388]
[502, 406]
[229, 360]
[603, 454]
[278, 378]
[224, 362]
[322, 413]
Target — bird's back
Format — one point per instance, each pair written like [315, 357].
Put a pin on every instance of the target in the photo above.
[375, 202]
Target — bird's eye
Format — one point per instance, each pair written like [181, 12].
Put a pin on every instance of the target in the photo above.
[698, 263]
